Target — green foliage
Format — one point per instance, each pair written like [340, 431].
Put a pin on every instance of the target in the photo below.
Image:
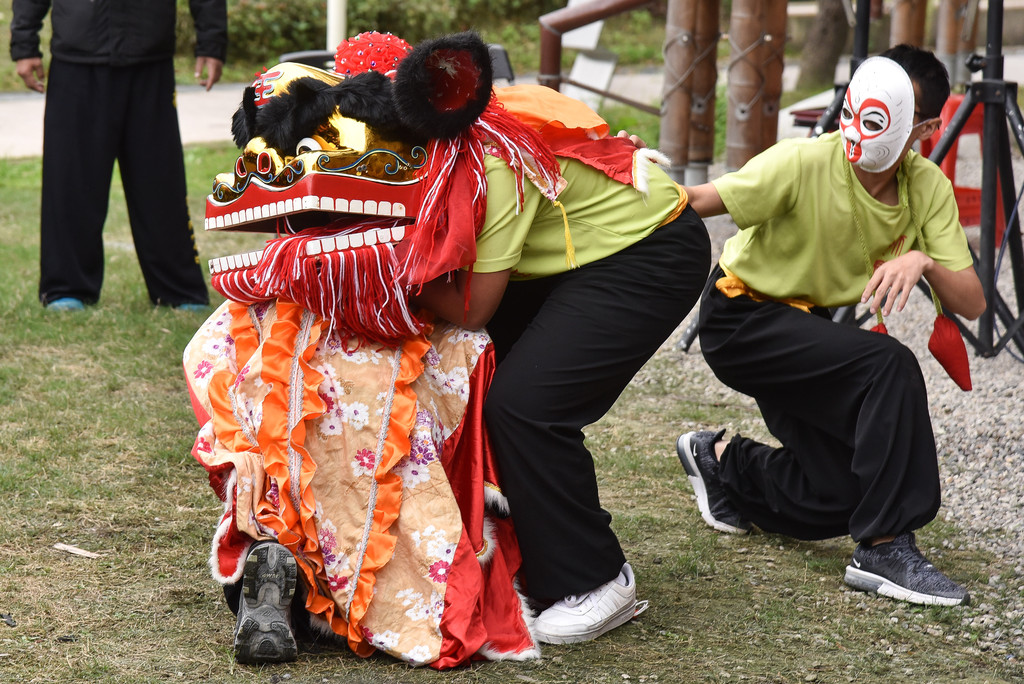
[261, 30]
[634, 121]
[413, 20]
[635, 37]
[486, 12]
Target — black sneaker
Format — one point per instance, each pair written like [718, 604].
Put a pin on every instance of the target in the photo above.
[898, 570]
[696, 451]
[263, 633]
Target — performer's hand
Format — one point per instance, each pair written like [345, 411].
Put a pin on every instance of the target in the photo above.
[31, 71]
[208, 71]
[893, 281]
[635, 139]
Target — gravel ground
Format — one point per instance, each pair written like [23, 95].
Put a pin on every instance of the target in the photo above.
[980, 439]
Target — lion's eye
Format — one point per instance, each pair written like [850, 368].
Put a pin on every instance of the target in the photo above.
[307, 145]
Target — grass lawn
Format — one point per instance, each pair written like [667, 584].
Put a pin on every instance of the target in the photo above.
[95, 435]
[94, 453]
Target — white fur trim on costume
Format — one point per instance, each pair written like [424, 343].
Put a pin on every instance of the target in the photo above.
[642, 160]
[531, 653]
[524, 607]
[490, 542]
[491, 653]
[495, 500]
[223, 527]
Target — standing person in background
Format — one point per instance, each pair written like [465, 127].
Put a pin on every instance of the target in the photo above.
[111, 95]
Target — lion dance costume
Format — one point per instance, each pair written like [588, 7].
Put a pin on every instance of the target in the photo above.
[338, 422]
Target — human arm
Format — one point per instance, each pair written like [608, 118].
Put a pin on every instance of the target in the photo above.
[705, 199]
[892, 282]
[26, 22]
[211, 23]
[208, 71]
[446, 297]
[31, 71]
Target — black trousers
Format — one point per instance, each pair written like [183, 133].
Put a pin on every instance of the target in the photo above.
[94, 115]
[566, 347]
[849, 407]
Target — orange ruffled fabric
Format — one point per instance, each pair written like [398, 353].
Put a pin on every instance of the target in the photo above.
[249, 399]
[293, 526]
[381, 544]
[292, 520]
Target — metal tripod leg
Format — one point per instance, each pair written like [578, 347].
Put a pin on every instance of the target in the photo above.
[997, 175]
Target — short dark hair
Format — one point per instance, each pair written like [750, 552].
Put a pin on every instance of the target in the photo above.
[930, 75]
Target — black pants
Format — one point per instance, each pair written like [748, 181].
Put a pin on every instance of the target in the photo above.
[849, 407]
[94, 115]
[566, 347]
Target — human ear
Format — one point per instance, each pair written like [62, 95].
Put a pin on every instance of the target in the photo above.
[928, 128]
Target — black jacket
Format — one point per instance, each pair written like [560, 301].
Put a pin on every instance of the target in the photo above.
[115, 32]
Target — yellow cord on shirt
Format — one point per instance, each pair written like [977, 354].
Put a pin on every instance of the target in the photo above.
[570, 251]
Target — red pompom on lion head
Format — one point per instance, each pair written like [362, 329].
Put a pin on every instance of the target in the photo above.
[370, 51]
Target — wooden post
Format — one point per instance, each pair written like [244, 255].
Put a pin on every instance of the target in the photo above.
[968, 41]
[920, 21]
[908, 19]
[705, 79]
[948, 24]
[772, 62]
[743, 127]
[755, 57]
[956, 37]
[679, 51]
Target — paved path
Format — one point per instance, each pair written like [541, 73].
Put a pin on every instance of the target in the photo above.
[206, 116]
[203, 117]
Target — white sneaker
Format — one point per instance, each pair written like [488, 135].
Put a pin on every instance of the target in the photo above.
[588, 616]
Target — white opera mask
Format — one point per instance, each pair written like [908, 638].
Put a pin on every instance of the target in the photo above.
[878, 114]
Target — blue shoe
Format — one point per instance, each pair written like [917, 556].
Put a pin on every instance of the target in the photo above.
[192, 306]
[66, 304]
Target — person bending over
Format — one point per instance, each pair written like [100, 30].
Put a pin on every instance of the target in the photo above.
[568, 338]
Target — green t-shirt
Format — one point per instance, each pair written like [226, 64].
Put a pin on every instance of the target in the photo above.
[798, 236]
[604, 216]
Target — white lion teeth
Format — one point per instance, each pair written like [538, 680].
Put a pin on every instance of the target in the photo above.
[340, 205]
[235, 262]
[369, 238]
[338, 243]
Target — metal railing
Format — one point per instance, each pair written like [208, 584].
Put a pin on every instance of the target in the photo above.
[554, 24]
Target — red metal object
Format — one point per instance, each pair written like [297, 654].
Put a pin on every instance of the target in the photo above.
[968, 199]
[554, 24]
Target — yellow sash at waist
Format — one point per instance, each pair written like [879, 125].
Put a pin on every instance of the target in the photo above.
[731, 286]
